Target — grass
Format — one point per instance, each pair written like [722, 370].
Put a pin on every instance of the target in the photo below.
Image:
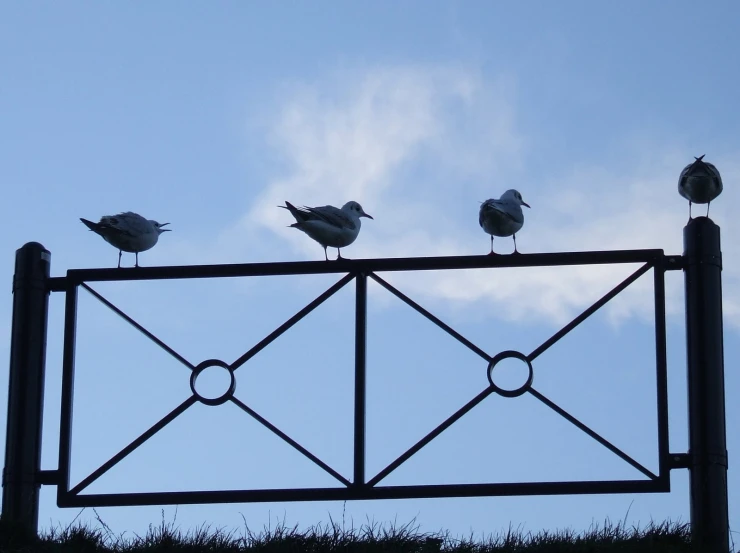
[665, 537]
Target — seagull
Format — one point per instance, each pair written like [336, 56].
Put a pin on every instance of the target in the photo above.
[502, 217]
[129, 232]
[699, 183]
[329, 225]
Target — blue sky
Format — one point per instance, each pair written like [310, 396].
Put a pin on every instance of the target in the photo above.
[209, 115]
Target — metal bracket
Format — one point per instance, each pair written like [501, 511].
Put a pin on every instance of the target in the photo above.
[48, 477]
[56, 284]
[674, 263]
[679, 461]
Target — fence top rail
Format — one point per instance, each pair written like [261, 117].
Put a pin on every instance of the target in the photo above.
[77, 276]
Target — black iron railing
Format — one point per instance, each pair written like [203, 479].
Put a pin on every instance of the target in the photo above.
[359, 485]
[707, 459]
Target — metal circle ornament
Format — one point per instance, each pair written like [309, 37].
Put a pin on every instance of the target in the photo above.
[516, 392]
[700, 182]
[223, 398]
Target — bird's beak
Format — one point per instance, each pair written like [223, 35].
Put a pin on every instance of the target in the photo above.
[164, 229]
[366, 215]
[526, 204]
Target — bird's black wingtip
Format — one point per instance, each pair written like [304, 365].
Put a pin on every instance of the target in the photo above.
[89, 224]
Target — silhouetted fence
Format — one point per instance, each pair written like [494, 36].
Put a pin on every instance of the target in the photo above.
[706, 459]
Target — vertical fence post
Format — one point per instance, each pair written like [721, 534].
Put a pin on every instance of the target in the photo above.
[706, 386]
[360, 377]
[26, 387]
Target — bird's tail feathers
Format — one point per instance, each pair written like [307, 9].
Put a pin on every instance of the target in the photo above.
[289, 206]
[297, 213]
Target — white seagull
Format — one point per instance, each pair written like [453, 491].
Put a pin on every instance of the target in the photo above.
[129, 232]
[700, 183]
[502, 217]
[329, 225]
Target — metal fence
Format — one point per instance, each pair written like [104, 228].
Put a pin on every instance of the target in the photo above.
[701, 262]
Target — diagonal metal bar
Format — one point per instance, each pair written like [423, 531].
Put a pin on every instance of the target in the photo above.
[429, 437]
[588, 312]
[118, 457]
[140, 328]
[611, 447]
[408, 301]
[267, 424]
[290, 322]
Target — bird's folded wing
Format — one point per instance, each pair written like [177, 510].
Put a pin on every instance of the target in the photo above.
[332, 216]
[500, 208]
[125, 223]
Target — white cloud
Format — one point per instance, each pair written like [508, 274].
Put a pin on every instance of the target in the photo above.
[417, 146]
[351, 138]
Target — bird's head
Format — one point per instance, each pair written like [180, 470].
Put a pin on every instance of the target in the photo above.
[354, 207]
[514, 196]
[159, 226]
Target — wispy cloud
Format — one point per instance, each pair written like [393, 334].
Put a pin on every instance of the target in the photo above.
[418, 146]
[355, 135]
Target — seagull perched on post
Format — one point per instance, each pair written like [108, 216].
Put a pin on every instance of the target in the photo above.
[502, 217]
[329, 225]
[129, 232]
[700, 183]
